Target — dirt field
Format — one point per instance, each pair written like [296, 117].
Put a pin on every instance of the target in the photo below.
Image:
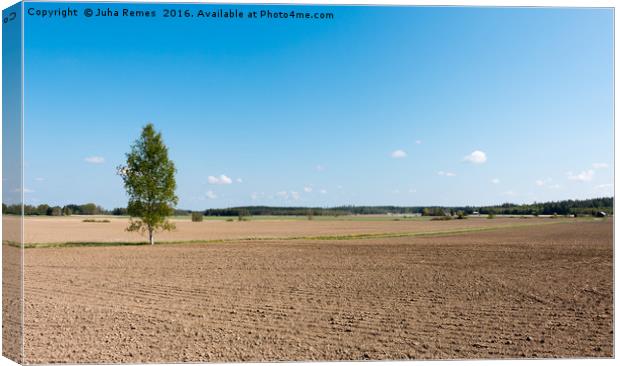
[73, 229]
[539, 291]
[11, 290]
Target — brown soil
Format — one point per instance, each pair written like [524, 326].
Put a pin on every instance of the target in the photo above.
[540, 291]
[11, 289]
[73, 229]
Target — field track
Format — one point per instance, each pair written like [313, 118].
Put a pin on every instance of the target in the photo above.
[539, 291]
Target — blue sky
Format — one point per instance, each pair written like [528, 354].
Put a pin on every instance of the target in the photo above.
[11, 111]
[381, 105]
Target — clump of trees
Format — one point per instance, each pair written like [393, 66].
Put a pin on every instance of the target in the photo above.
[243, 215]
[119, 211]
[434, 211]
[47, 210]
[97, 221]
[197, 216]
[442, 218]
[87, 209]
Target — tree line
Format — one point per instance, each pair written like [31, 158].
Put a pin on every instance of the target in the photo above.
[72, 209]
[47, 210]
[274, 211]
[566, 207]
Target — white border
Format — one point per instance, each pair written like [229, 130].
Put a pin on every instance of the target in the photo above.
[484, 3]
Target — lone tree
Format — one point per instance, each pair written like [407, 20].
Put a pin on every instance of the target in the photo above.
[150, 184]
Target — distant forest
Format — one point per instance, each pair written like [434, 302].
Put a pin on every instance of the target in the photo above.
[566, 207]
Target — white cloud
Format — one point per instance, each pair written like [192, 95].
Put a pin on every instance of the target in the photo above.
[319, 168]
[286, 195]
[476, 157]
[584, 176]
[446, 174]
[25, 190]
[39, 179]
[323, 191]
[398, 154]
[604, 186]
[600, 166]
[418, 142]
[495, 181]
[547, 183]
[94, 160]
[509, 193]
[412, 190]
[239, 180]
[543, 182]
[222, 179]
[307, 189]
[259, 195]
[211, 195]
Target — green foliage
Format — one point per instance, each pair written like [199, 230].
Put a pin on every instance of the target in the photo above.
[150, 184]
[434, 211]
[85, 209]
[96, 221]
[89, 209]
[588, 207]
[460, 215]
[119, 211]
[243, 214]
[491, 216]
[441, 218]
[310, 214]
[54, 211]
[197, 216]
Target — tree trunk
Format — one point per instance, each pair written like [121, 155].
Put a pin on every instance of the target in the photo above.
[151, 238]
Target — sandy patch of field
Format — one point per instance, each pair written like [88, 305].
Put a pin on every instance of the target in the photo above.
[73, 229]
[539, 291]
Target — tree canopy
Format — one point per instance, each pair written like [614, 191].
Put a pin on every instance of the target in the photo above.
[150, 184]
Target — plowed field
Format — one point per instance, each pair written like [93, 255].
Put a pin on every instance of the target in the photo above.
[537, 291]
